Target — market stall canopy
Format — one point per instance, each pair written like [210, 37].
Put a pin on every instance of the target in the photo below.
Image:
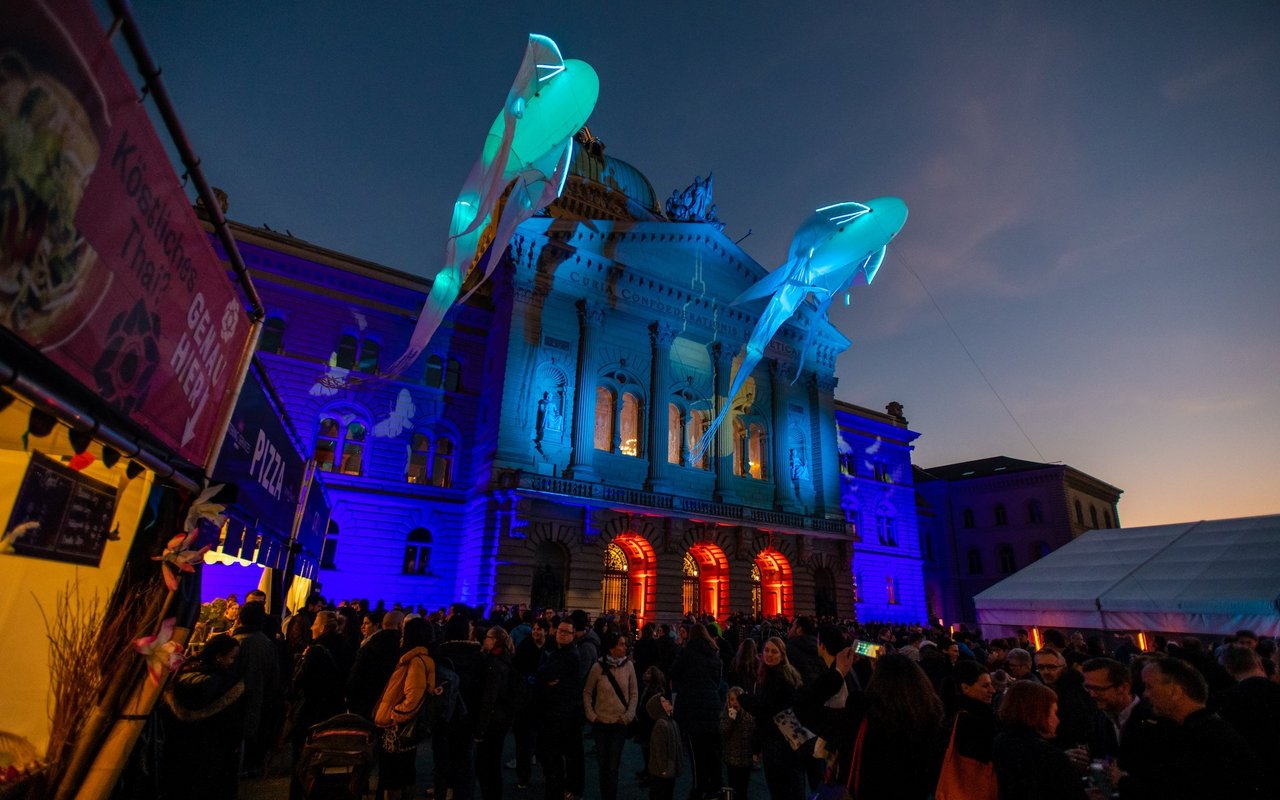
[1213, 576]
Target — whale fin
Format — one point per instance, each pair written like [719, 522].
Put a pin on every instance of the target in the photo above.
[766, 286]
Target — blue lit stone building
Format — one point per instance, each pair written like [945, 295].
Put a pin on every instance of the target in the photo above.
[539, 450]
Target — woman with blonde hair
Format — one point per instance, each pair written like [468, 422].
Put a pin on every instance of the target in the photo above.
[775, 692]
[401, 714]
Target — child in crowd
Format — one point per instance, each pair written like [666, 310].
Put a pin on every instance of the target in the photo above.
[737, 728]
[664, 750]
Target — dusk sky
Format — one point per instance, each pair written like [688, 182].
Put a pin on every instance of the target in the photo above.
[1094, 188]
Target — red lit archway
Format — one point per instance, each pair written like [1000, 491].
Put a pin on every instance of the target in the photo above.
[775, 584]
[629, 585]
[706, 580]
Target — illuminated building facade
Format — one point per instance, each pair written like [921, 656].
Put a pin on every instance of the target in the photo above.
[540, 450]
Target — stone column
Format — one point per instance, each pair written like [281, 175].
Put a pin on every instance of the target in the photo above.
[784, 495]
[590, 318]
[825, 467]
[722, 362]
[660, 338]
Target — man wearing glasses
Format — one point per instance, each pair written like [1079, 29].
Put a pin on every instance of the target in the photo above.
[1080, 731]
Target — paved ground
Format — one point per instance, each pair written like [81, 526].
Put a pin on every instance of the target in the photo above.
[628, 788]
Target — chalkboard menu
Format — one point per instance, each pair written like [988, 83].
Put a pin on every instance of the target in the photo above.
[73, 511]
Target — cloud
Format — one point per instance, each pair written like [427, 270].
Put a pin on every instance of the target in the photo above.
[1207, 79]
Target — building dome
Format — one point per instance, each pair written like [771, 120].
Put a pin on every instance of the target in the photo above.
[604, 187]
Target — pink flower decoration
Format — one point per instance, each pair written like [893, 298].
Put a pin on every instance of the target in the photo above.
[178, 557]
[163, 655]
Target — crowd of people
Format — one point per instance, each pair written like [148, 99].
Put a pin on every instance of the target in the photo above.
[820, 706]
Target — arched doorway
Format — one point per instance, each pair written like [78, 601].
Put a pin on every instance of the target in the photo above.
[627, 583]
[550, 576]
[824, 592]
[775, 583]
[706, 580]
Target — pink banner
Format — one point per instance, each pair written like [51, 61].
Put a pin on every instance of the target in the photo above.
[103, 265]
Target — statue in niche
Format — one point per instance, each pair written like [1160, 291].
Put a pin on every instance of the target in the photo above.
[548, 418]
[546, 591]
[694, 204]
[799, 469]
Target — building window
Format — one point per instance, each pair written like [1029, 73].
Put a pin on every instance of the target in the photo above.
[882, 473]
[1079, 513]
[417, 552]
[749, 450]
[1106, 517]
[675, 427]
[453, 375]
[1007, 566]
[434, 374]
[330, 551]
[613, 585]
[1039, 550]
[884, 527]
[419, 455]
[968, 517]
[975, 561]
[442, 464]
[857, 578]
[1034, 512]
[368, 357]
[890, 590]
[604, 419]
[272, 338]
[757, 591]
[689, 587]
[346, 356]
[340, 448]
[926, 546]
[1093, 516]
[1002, 516]
[629, 425]
[699, 421]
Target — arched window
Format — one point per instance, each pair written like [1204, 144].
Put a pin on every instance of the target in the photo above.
[453, 376]
[1039, 550]
[433, 376]
[1093, 516]
[417, 552]
[272, 338]
[757, 595]
[442, 464]
[330, 551]
[699, 421]
[604, 419]
[629, 425]
[884, 527]
[1106, 517]
[689, 593]
[890, 590]
[346, 356]
[756, 452]
[1002, 516]
[613, 585]
[975, 561]
[340, 448]
[1079, 513]
[1007, 565]
[968, 517]
[675, 431]
[550, 576]
[1034, 512]
[824, 593]
[368, 357]
[419, 452]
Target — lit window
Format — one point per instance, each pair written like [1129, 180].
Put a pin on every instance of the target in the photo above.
[1002, 516]
[975, 562]
[629, 425]
[968, 517]
[346, 356]
[338, 448]
[442, 464]
[699, 421]
[1007, 565]
[417, 552]
[884, 526]
[434, 374]
[419, 452]
[352, 449]
[756, 452]
[675, 426]
[330, 551]
[327, 444]
[604, 419]
[272, 338]
[890, 590]
[690, 587]
[368, 357]
[453, 376]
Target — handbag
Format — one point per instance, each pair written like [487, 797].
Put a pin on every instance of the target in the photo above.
[792, 729]
[401, 736]
[834, 791]
[965, 778]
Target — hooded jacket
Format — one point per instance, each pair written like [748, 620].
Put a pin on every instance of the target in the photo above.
[412, 682]
[664, 742]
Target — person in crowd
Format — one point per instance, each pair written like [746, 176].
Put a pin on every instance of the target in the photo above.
[972, 721]
[587, 648]
[318, 679]
[558, 728]
[1135, 730]
[1081, 728]
[523, 627]
[1027, 763]
[375, 660]
[695, 682]
[453, 739]
[802, 648]
[610, 698]
[645, 653]
[654, 683]
[737, 736]
[258, 663]
[204, 710]
[745, 665]
[527, 659]
[502, 689]
[1018, 665]
[664, 761]
[776, 685]
[666, 647]
[411, 684]
[1252, 707]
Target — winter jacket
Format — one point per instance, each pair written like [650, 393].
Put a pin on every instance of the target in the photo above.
[259, 664]
[375, 661]
[664, 742]
[557, 691]
[412, 682]
[736, 736]
[468, 661]
[772, 696]
[601, 703]
[695, 683]
[495, 712]
[802, 653]
[1027, 765]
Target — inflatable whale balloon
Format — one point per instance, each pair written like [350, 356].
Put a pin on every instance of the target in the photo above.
[838, 246]
[521, 170]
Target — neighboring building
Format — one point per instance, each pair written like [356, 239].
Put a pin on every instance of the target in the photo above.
[983, 520]
[540, 450]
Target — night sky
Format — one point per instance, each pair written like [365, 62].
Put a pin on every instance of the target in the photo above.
[1094, 188]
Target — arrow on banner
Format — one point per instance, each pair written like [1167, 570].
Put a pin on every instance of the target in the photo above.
[190, 430]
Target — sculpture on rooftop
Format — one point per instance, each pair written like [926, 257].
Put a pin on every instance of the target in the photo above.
[837, 247]
[694, 204]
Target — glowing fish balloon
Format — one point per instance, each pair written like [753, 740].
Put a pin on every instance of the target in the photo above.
[521, 170]
[837, 247]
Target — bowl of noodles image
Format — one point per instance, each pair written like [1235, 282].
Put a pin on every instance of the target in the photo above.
[48, 150]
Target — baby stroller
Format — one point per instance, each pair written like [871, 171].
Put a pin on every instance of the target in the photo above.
[337, 759]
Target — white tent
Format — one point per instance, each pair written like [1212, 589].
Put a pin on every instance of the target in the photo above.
[1213, 577]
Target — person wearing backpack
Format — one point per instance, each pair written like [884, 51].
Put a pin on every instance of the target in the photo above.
[610, 698]
[402, 712]
[453, 732]
[497, 703]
